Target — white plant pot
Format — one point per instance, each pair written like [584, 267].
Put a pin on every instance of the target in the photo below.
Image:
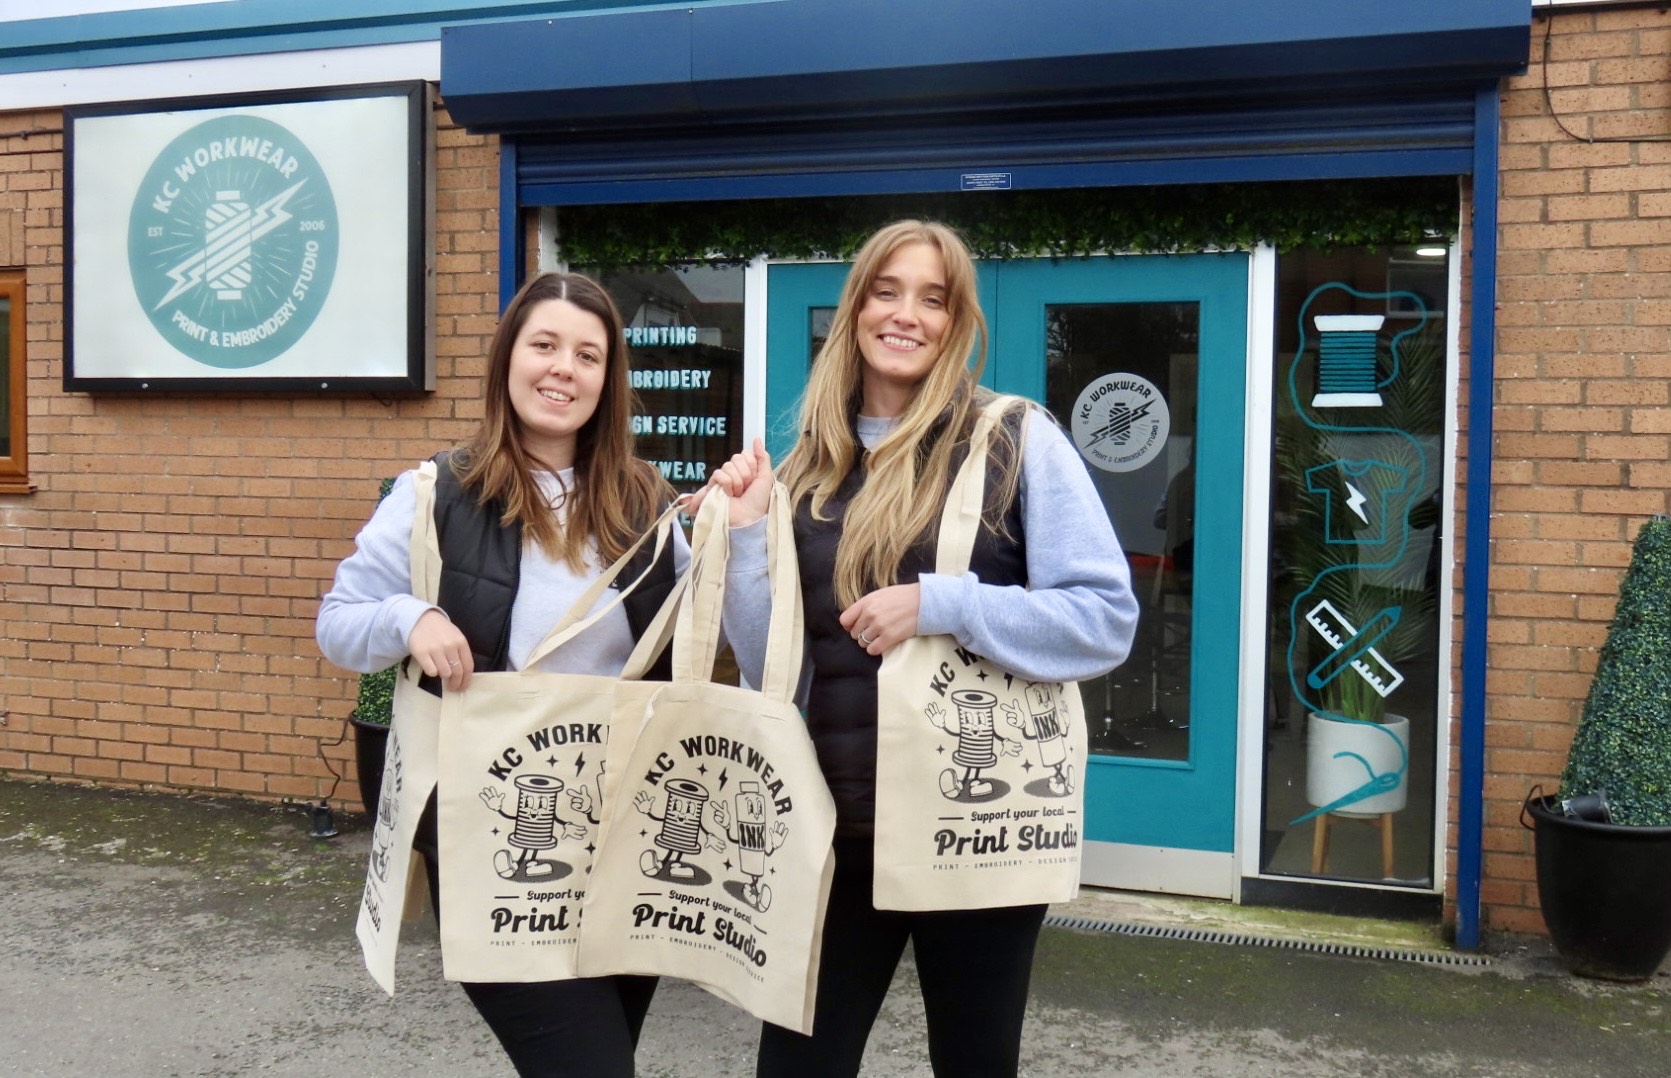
[1329, 776]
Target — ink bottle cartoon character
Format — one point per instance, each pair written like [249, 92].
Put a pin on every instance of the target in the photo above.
[753, 840]
[1046, 726]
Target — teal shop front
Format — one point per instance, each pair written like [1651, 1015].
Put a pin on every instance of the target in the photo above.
[721, 104]
[1163, 729]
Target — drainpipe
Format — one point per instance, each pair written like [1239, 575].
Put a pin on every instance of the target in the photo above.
[1476, 561]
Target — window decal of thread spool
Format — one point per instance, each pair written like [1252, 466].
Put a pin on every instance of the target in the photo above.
[1346, 376]
[228, 241]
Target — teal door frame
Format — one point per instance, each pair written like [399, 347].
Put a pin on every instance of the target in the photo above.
[793, 290]
[1187, 804]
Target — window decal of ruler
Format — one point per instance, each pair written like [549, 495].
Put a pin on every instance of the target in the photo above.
[1354, 648]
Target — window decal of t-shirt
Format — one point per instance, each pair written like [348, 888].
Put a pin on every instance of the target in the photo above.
[1368, 486]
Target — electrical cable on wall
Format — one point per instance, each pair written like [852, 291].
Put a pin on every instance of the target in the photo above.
[1549, 103]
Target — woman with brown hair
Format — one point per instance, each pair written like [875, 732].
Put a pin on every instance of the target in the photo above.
[545, 496]
[887, 418]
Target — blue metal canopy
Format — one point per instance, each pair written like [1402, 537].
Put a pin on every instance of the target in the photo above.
[716, 63]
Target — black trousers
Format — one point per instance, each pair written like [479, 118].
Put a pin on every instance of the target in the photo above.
[582, 1028]
[974, 966]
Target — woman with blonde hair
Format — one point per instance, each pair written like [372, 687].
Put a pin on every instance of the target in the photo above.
[885, 423]
[545, 496]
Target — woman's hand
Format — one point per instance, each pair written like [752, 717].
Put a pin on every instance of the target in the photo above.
[747, 478]
[884, 618]
[441, 650]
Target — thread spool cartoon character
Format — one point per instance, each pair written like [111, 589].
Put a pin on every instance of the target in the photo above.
[536, 823]
[1046, 726]
[754, 842]
[978, 743]
[683, 829]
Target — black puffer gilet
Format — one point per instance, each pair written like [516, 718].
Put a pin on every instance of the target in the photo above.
[481, 568]
[841, 704]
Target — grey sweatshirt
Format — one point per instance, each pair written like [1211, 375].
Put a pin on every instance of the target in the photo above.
[369, 612]
[1075, 618]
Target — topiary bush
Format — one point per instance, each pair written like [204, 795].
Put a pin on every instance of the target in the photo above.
[1623, 744]
[376, 701]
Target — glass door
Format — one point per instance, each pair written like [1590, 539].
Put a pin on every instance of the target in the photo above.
[1143, 361]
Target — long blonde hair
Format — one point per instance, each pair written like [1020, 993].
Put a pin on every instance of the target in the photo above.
[615, 494]
[908, 471]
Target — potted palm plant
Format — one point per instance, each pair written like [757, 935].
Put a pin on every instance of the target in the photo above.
[1603, 843]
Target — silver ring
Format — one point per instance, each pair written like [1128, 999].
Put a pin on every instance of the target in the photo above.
[865, 641]
[452, 662]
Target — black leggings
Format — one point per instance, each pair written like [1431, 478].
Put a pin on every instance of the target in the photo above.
[974, 966]
[583, 1028]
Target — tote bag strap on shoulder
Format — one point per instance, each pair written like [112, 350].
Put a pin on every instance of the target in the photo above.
[425, 547]
[960, 522]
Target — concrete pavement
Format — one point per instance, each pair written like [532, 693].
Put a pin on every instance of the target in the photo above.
[157, 935]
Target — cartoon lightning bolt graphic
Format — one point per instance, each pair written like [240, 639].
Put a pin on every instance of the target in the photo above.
[579, 763]
[723, 779]
[264, 218]
[1108, 431]
[1355, 503]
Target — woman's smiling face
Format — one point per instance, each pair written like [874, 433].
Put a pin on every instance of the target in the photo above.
[900, 325]
[557, 371]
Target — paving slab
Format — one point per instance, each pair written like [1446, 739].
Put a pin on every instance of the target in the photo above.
[169, 935]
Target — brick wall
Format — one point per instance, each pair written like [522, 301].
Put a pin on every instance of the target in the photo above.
[1583, 370]
[157, 593]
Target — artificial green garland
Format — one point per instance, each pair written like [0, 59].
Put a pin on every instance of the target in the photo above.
[1007, 224]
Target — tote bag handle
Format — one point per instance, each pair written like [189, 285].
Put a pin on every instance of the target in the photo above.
[576, 620]
[960, 521]
[424, 550]
[696, 641]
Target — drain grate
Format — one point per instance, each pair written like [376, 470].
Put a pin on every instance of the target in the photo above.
[1197, 935]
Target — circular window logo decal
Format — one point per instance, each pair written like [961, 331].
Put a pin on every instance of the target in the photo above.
[232, 241]
[1120, 422]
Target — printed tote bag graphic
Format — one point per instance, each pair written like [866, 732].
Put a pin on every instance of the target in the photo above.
[979, 772]
[715, 862]
[522, 793]
[408, 769]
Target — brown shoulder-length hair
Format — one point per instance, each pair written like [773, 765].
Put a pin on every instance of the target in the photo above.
[906, 473]
[616, 495]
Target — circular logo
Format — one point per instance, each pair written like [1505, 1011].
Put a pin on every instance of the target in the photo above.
[1120, 422]
[232, 241]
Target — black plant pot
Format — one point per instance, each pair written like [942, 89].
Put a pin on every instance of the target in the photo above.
[371, 742]
[1605, 891]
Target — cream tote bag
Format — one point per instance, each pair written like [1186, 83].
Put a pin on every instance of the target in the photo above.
[408, 769]
[979, 773]
[522, 791]
[715, 863]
